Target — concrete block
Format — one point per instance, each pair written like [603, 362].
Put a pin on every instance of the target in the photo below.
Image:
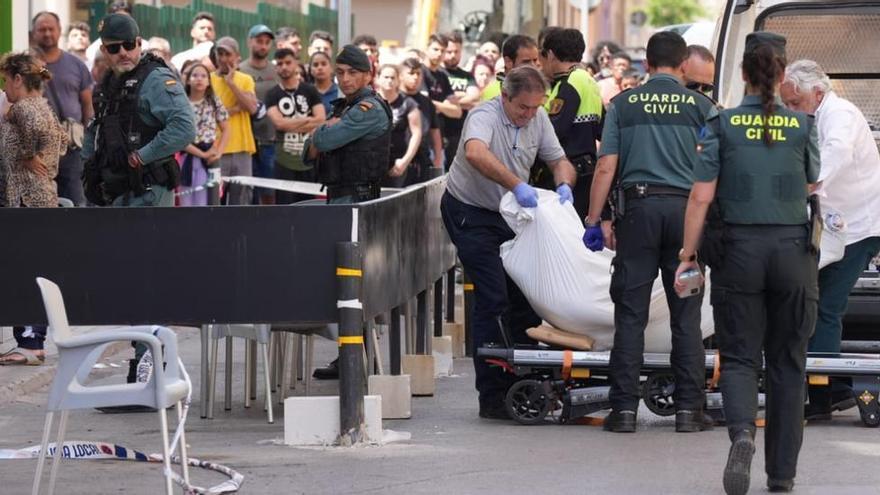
[396, 395]
[315, 420]
[459, 314]
[420, 369]
[441, 349]
[459, 300]
[456, 331]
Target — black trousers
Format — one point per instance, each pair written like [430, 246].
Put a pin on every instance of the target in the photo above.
[286, 197]
[767, 294]
[648, 239]
[477, 234]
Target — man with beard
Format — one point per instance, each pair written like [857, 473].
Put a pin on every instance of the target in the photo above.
[464, 90]
[436, 83]
[260, 39]
[70, 96]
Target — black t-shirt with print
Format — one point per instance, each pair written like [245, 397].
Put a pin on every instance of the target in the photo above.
[459, 80]
[292, 103]
[400, 110]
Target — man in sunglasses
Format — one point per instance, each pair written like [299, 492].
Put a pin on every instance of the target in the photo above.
[699, 70]
[142, 117]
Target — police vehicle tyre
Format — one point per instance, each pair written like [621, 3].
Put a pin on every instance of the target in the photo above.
[657, 393]
[871, 419]
[529, 401]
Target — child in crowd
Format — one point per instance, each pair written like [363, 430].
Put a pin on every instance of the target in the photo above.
[207, 148]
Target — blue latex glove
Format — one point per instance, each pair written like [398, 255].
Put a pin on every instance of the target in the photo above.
[593, 238]
[564, 192]
[526, 195]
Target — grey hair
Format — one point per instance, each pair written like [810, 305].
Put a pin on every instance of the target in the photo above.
[807, 75]
[522, 79]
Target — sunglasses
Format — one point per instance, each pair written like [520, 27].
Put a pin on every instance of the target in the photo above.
[114, 48]
[701, 87]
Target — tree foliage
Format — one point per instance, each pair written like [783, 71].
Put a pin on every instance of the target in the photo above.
[668, 12]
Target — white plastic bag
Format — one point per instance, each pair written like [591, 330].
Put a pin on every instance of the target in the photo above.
[567, 284]
[833, 243]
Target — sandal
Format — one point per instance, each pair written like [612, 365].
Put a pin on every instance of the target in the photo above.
[29, 357]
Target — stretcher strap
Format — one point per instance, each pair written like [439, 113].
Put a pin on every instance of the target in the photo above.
[567, 357]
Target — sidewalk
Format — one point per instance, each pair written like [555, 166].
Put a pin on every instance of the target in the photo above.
[452, 451]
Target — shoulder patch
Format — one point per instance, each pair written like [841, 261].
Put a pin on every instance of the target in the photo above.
[556, 106]
[365, 105]
[170, 82]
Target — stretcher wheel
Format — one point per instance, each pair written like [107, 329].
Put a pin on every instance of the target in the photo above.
[871, 420]
[529, 401]
[657, 393]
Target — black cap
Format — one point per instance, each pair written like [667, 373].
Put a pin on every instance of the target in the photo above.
[118, 27]
[355, 57]
[761, 38]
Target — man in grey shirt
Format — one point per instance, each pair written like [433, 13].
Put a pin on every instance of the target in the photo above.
[258, 66]
[498, 146]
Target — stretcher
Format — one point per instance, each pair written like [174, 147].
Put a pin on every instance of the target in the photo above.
[566, 385]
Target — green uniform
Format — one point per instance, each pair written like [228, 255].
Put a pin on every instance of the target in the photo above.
[354, 152]
[760, 184]
[163, 125]
[765, 281]
[493, 89]
[653, 129]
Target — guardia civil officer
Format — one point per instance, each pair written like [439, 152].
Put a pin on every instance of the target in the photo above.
[353, 148]
[142, 117]
[651, 132]
[759, 160]
[574, 106]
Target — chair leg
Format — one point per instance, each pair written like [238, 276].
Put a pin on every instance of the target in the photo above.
[252, 353]
[294, 360]
[265, 351]
[166, 454]
[298, 364]
[59, 448]
[44, 445]
[184, 457]
[286, 359]
[212, 378]
[247, 373]
[205, 337]
[227, 400]
[310, 348]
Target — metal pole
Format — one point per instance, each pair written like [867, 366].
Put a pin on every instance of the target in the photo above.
[450, 295]
[394, 340]
[205, 332]
[214, 191]
[351, 341]
[422, 323]
[344, 20]
[438, 307]
[468, 315]
[585, 24]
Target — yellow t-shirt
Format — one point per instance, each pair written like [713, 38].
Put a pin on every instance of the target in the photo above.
[241, 137]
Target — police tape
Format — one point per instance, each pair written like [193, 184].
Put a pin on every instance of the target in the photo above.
[77, 449]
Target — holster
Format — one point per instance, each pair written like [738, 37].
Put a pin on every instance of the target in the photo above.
[815, 225]
[618, 203]
[584, 165]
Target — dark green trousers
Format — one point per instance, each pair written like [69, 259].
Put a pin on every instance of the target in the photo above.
[766, 292]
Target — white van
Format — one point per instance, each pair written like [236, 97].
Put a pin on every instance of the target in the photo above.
[843, 36]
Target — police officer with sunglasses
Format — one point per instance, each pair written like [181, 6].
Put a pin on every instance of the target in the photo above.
[142, 117]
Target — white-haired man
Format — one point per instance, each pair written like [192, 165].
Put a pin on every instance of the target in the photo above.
[849, 181]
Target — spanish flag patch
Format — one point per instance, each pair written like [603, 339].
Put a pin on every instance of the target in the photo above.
[170, 82]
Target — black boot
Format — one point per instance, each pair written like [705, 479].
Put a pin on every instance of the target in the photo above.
[819, 407]
[329, 372]
[692, 421]
[737, 472]
[620, 421]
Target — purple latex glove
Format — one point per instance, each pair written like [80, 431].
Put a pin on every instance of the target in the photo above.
[526, 195]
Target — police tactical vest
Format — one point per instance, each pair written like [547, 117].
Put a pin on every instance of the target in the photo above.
[119, 97]
[760, 183]
[361, 161]
[120, 130]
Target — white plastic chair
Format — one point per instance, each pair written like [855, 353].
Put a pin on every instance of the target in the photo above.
[76, 356]
[258, 333]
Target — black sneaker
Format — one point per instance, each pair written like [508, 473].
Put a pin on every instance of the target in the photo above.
[775, 485]
[737, 472]
[841, 401]
[692, 421]
[494, 411]
[329, 372]
[620, 421]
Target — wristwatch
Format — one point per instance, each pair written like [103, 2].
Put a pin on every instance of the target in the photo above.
[683, 258]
